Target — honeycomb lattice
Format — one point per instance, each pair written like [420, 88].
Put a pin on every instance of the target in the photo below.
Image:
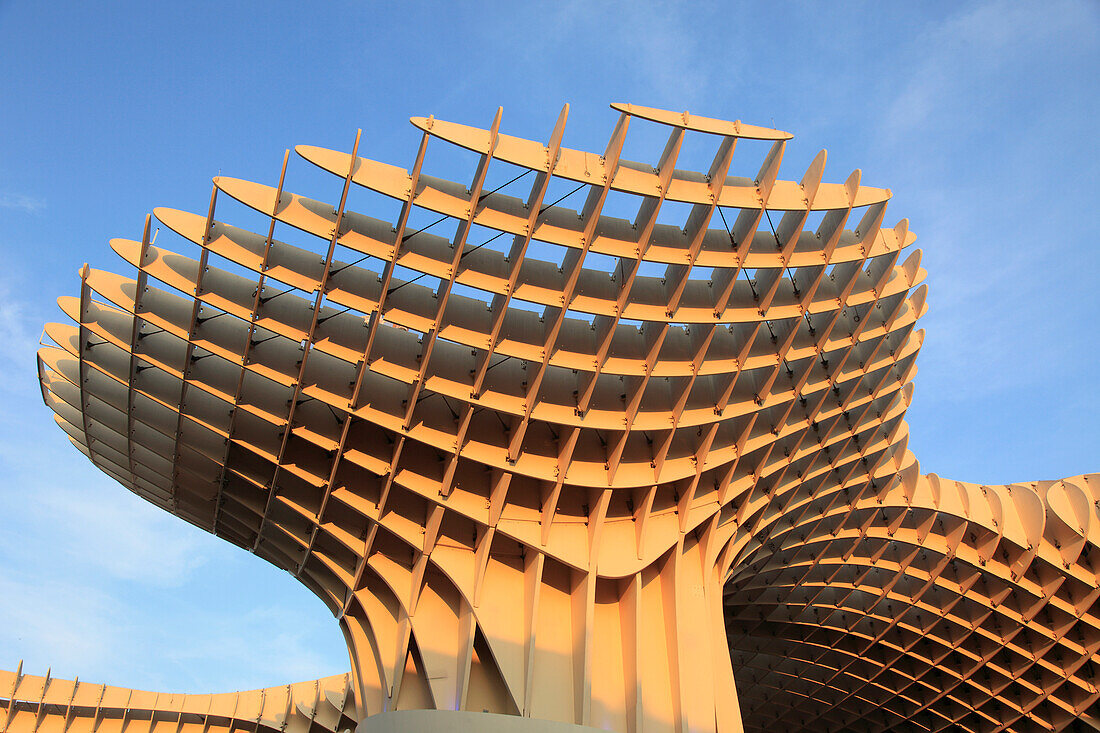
[544, 461]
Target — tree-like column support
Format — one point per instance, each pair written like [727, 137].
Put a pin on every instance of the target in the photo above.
[644, 652]
[542, 460]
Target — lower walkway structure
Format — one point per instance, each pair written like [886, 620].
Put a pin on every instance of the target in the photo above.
[644, 474]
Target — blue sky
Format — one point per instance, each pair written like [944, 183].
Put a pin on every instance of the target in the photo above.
[980, 116]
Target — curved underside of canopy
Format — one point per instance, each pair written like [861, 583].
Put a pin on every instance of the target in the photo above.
[632, 473]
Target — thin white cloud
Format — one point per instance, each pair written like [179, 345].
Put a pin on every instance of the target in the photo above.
[15, 323]
[649, 44]
[664, 47]
[19, 334]
[284, 637]
[126, 539]
[100, 634]
[67, 626]
[969, 89]
[21, 202]
[962, 53]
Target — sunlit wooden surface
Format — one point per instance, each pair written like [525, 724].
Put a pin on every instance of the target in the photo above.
[642, 474]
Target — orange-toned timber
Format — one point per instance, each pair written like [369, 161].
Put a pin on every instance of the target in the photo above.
[46, 705]
[649, 476]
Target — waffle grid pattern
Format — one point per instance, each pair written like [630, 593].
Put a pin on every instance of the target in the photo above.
[558, 489]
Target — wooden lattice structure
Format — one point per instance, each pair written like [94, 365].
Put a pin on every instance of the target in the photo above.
[48, 705]
[581, 468]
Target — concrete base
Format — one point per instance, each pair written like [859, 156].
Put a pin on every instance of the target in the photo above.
[450, 721]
